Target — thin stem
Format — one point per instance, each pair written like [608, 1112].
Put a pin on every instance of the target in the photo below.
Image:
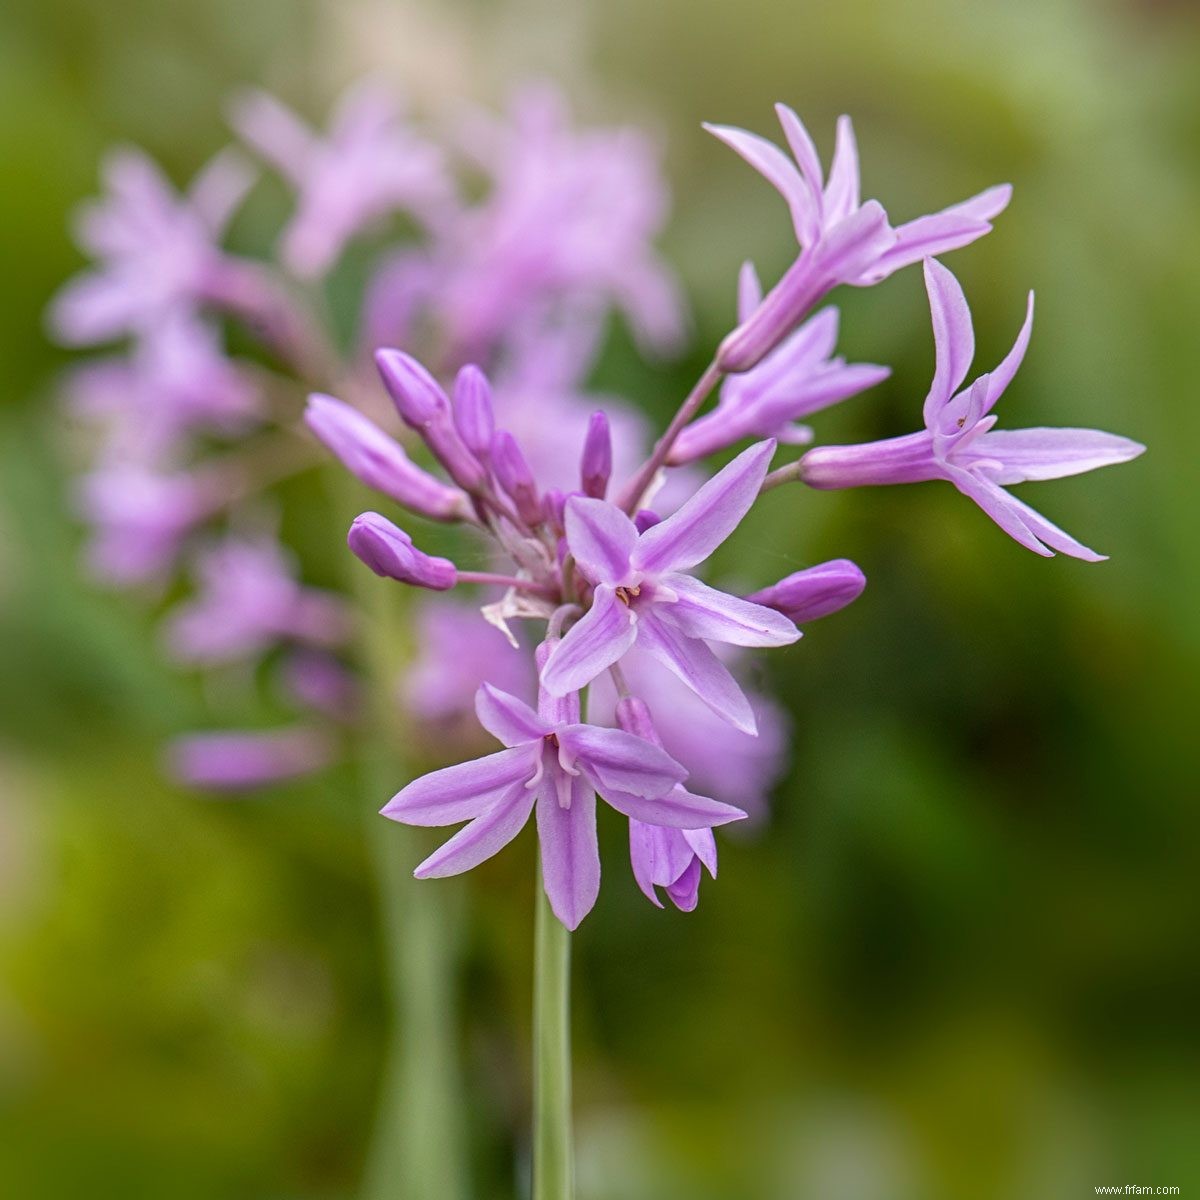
[631, 495]
[553, 1143]
[511, 581]
[417, 1149]
[785, 474]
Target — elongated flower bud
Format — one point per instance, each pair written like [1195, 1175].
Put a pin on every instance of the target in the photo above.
[815, 592]
[390, 552]
[633, 715]
[380, 461]
[423, 406]
[516, 478]
[474, 413]
[595, 467]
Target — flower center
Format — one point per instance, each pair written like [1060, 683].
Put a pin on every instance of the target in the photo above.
[626, 594]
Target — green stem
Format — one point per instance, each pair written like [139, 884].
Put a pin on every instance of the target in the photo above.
[553, 1148]
[417, 1150]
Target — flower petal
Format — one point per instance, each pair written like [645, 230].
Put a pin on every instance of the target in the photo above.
[856, 242]
[1027, 454]
[699, 526]
[1018, 520]
[461, 792]
[705, 612]
[704, 846]
[953, 337]
[940, 232]
[593, 644]
[487, 834]
[750, 292]
[678, 809]
[601, 538]
[1002, 376]
[801, 145]
[685, 891]
[694, 664]
[506, 718]
[569, 850]
[842, 195]
[775, 167]
[621, 761]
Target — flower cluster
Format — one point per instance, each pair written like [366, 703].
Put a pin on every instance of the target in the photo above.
[480, 332]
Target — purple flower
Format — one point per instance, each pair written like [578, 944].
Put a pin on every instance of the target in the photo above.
[249, 599]
[390, 553]
[958, 443]
[559, 764]
[241, 760]
[567, 226]
[661, 856]
[368, 166]
[139, 518]
[796, 379]
[318, 681]
[380, 461]
[814, 592]
[642, 594]
[842, 240]
[176, 381]
[157, 250]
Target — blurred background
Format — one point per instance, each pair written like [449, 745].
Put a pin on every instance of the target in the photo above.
[961, 960]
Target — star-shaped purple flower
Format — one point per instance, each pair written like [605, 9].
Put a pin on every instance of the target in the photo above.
[959, 444]
[642, 594]
[558, 764]
[842, 240]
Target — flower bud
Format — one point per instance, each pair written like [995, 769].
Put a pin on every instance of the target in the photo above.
[633, 716]
[474, 414]
[815, 592]
[423, 406]
[380, 461]
[516, 478]
[390, 552]
[595, 467]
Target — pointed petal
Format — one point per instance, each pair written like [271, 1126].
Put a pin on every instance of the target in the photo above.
[506, 718]
[678, 809]
[842, 194]
[219, 189]
[601, 538]
[705, 612]
[939, 233]
[704, 846]
[1002, 376]
[1027, 454]
[643, 857]
[487, 834]
[461, 792]
[694, 664]
[592, 645]
[699, 526]
[570, 853]
[621, 761]
[953, 337]
[275, 132]
[1018, 520]
[685, 891]
[774, 166]
[801, 146]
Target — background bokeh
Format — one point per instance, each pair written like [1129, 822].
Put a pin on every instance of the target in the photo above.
[961, 960]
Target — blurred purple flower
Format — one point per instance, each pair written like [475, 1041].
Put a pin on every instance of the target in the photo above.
[642, 594]
[567, 226]
[368, 166]
[958, 444]
[240, 760]
[320, 682]
[139, 517]
[842, 240]
[157, 251]
[249, 599]
[798, 378]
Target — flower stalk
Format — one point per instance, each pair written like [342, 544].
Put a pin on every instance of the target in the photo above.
[553, 1139]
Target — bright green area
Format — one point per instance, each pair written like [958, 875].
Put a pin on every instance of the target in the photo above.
[961, 961]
